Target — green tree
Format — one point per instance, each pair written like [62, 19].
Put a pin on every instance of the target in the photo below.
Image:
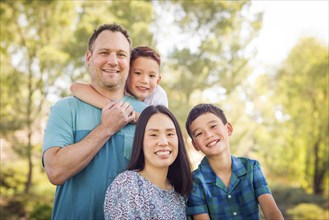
[31, 58]
[302, 94]
[43, 44]
[135, 16]
[211, 52]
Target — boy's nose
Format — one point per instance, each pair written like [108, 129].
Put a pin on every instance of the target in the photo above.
[143, 79]
[208, 134]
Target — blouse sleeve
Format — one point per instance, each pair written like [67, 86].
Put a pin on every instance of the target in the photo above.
[116, 204]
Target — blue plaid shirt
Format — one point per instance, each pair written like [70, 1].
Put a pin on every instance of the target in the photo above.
[238, 201]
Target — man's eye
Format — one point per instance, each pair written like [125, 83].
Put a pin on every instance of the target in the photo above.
[213, 126]
[104, 53]
[122, 55]
[152, 76]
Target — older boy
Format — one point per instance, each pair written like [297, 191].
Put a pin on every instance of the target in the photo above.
[224, 186]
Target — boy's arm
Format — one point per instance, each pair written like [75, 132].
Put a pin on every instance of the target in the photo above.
[204, 216]
[269, 207]
[87, 93]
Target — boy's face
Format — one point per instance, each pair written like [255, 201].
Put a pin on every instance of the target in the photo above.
[143, 77]
[210, 135]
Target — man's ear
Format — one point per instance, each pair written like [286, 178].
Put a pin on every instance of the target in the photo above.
[159, 79]
[195, 146]
[88, 56]
[229, 128]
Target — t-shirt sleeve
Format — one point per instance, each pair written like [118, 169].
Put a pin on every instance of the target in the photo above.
[59, 128]
[259, 181]
[158, 97]
[118, 198]
[196, 201]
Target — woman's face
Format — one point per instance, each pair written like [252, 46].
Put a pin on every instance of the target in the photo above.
[160, 144]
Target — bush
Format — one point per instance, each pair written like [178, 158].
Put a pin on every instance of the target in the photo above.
[308, 211]
[41, 211]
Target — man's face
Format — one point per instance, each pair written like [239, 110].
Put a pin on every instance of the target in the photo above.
[108, 60]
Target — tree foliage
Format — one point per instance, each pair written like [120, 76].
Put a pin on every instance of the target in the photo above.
[302, 91]
[212, 51]
[31, 41]
[43, 44]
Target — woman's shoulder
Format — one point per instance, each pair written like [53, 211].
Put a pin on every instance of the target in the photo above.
[125, 179]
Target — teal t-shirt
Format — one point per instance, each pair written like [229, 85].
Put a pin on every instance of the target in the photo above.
[82, 196]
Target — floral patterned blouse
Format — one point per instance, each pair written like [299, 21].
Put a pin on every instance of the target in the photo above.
[131, 196]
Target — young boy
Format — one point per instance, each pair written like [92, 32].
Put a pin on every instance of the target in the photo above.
[142, 82]
[224, 186]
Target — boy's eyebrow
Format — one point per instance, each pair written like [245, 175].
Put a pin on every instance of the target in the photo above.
[193, 132]
[209, 122]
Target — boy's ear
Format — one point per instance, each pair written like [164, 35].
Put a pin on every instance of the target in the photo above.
[229, 128]
[159, 79]
[195, 146]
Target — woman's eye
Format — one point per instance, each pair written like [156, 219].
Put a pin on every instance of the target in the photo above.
[197, 134]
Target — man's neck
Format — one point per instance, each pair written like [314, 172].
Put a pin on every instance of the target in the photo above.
[110, 94]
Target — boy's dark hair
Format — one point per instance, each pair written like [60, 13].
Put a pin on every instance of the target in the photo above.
[201, 109]
[144, 51]
[179, 173]
[110, 27]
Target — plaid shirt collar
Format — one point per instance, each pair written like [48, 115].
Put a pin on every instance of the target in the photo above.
[238, 170]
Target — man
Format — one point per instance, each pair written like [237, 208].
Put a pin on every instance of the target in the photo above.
[84, 147]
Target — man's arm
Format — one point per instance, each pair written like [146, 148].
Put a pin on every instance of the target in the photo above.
[63, 163]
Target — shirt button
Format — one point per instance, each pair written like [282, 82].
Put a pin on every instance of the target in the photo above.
[229, 196]
[234, 213]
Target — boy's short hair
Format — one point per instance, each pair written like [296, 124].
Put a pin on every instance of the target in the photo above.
[144, 51]
[201, 109]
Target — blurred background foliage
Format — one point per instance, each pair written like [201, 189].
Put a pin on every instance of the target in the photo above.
[280, 117]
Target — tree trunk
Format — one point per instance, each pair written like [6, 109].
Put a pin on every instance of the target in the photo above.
[318, 176]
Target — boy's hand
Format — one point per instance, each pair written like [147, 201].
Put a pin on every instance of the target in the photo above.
[136, 117]
[116, 115]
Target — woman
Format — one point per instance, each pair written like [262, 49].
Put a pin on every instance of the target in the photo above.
[158, 177]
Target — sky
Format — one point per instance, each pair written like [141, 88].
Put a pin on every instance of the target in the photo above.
[284, 22]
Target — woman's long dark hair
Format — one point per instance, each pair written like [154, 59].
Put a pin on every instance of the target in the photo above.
[179, 173]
